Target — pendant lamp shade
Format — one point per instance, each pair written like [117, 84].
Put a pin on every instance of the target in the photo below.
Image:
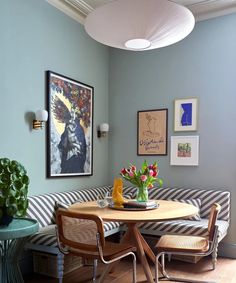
[139, 24]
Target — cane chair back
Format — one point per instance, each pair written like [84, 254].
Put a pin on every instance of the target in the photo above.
[188, 245]
[79, 232]
[215, 209]
[83, 235]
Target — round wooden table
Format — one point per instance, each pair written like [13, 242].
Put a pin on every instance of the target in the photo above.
[167, 210]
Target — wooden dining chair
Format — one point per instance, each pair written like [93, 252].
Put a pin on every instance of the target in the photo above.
[83, 235]
[187, 245]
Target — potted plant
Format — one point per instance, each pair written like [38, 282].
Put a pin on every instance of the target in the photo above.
[13, 190]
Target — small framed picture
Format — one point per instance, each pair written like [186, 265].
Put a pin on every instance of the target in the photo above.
[185, 114]
[184, 150]
[152, 132]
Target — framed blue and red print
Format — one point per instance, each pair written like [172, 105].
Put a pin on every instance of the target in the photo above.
[70, 127]
[185, 117]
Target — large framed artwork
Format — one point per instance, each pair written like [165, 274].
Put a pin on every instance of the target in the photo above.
[184, 150]
[70, 127]
[152, 132]
[185, 114]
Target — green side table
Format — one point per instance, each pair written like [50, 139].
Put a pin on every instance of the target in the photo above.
[12, 241]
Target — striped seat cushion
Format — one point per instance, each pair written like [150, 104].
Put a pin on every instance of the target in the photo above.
[208, 197]
[47, 235]
[183, 227]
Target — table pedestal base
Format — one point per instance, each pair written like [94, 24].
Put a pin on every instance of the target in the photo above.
[134, 237]
[10, 251]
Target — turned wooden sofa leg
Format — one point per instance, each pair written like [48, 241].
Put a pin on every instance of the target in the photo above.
[214, 256]
[95, 265]
[60, 267]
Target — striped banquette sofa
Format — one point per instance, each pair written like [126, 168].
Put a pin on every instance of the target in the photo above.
[43, 208]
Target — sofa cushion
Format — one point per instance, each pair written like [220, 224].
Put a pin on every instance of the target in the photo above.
[92, 194]
[47, 235]
[183, 227]
[208, 197]
[128, 195]
[42, 207]
[61, 204]
[196, 202]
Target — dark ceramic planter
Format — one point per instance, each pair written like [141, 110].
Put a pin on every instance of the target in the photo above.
[6, 219]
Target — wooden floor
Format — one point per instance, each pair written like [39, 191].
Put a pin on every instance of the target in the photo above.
[225, 272]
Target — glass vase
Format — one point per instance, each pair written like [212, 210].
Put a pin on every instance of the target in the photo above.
[142, 194]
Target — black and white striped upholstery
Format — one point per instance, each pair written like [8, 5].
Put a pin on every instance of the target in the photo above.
[208, 197]
[43, 208]
[187, 227]
[183, 227]
[47, 235]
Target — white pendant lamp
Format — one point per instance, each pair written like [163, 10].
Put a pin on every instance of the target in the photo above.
[139, 24]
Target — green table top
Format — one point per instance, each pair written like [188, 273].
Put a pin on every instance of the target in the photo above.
[18, 228]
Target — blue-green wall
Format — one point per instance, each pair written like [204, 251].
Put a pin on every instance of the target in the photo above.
[35, 37]
[204, 66]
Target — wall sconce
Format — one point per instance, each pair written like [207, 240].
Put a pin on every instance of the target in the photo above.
[103, 129]
[40, 117]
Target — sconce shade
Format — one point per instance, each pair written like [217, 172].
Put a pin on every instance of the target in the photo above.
[102, 130]
[139, 24]
[104, 127]
[41, 115]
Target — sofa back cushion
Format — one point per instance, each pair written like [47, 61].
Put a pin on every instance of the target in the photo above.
[91, 194]
[208, 197]
[193, 201]
[42, 207]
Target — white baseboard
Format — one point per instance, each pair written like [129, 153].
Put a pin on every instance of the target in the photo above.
[227, 250]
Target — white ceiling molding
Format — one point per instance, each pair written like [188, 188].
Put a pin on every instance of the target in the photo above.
[202, 9]
[206, 9]
[80, 5]
[76, 14]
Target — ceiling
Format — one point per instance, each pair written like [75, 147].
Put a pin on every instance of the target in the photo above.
[202, 9]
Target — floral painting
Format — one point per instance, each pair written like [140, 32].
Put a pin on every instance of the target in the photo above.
[70, 107]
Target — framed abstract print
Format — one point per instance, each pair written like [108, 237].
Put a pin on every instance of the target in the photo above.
[185, 114]
[184, 150]
[70, 127]
[152, 132]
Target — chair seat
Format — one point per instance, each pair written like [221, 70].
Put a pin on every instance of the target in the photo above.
[185, 244]
[110, 251]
